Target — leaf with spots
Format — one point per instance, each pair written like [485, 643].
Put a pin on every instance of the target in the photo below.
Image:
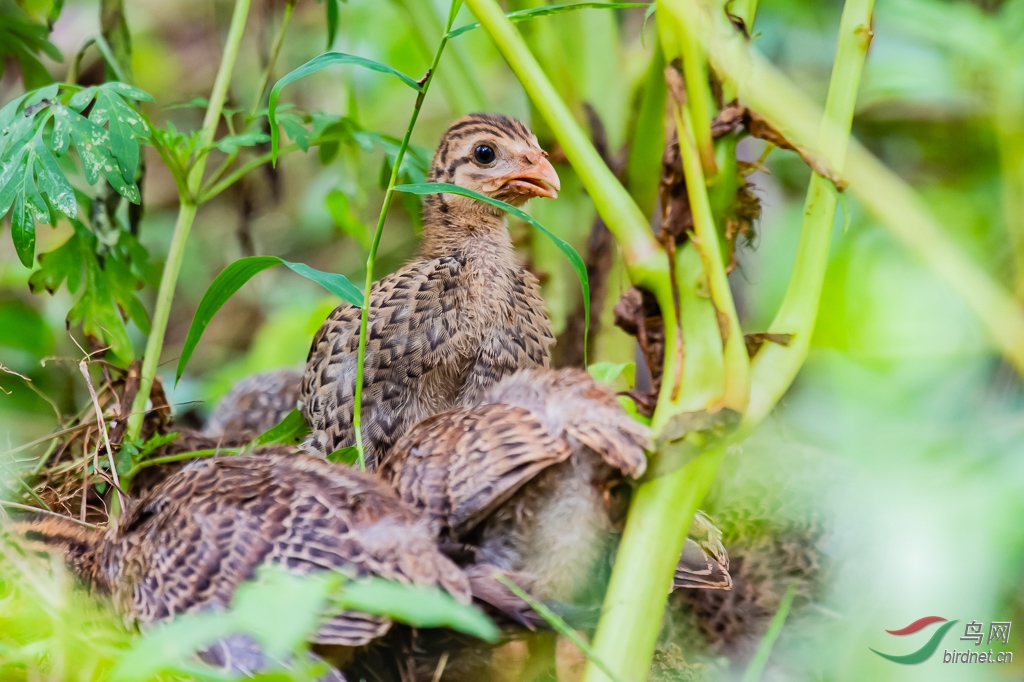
[34, 186]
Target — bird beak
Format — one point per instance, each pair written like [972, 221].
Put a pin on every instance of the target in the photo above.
[538, 179]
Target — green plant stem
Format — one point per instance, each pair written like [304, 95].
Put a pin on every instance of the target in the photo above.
[659, 519]
[698, 92]
[180, 457]
[775, 366]
[459, 82]
[275, 52]
[186, 216]
[736, 388]
[763, 88]
[371, 258]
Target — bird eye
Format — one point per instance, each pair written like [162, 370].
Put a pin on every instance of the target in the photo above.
[483, 154]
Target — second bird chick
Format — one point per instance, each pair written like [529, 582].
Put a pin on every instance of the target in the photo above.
[535, 481]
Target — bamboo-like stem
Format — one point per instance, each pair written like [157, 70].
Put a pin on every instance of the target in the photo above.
[776, 366]
[633, 607]
[763, 88]
[643, 255]
[698, 91]
[389, 193]
[186, 216]
[736, 389]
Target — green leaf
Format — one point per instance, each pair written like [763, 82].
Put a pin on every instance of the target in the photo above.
[341, 213]
[241, 271]
[231, 143]
[347, 456]
[332, 22]
[111, 285]
[416, 606]
[547, 10]
[24, 328]
[608, 372]
[291, 430]
[125, 125]
[316, 64]
[574, 258]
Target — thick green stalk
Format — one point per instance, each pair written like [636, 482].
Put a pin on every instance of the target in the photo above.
[658, 521]
[626, 637]
[372, 257]
[763, 88]
[643, 255]
[776, 366]
[186, 216]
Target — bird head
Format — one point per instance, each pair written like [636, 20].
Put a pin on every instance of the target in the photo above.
[496, 156]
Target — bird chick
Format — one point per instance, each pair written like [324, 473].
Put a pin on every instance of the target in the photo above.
[453, 321]
[189, 543]
[535, 478]
[255, 404]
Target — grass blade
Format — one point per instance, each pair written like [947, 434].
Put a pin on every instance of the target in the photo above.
[241, 271]
[548, 10]
[560, 626]
[565, 247]
[416, 606]
[764, 647]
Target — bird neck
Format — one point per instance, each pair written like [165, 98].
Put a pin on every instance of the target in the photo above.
[466, 230]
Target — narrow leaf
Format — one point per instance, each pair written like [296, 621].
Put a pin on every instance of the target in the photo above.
[565, 247]
[347, 456]
[241, 271]
[764, 648]
[416, 606]
[533, 13]
[559, 625]
[292, 429]
[316, 64]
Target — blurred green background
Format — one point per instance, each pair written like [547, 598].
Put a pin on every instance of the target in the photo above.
[898, 455]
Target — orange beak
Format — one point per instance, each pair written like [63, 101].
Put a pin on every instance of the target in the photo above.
[538, 179]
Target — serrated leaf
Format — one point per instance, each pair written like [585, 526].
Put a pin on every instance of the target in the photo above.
[241, 271]
[126, 127]
[316, 64]
[291, 430]
[547, 10]
[565, 247]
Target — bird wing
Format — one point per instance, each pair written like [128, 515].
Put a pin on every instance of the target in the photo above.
[461, 465]
[413, 328]
[523, 341]
[211, 526]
